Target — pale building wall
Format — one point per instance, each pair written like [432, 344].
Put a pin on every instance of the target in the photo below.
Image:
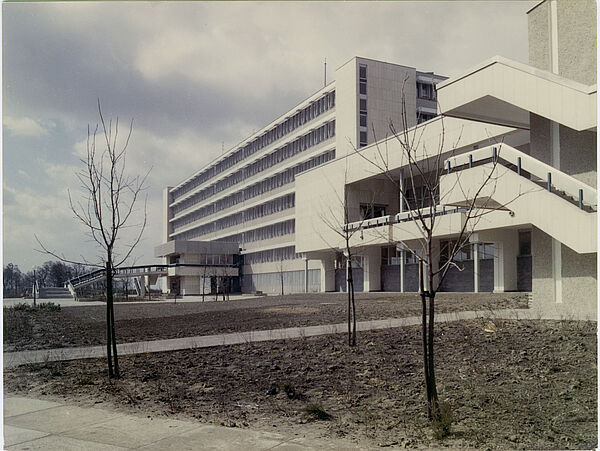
[579, 294]
[371, 269]
[167, 229]
[577, 40]
[346, 105]
[572, 56]
[578, 154]
[293, 282]
[385, 85]
[539, 36]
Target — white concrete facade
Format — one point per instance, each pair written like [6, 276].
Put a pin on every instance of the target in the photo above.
[247, 196]
[538, 121]
[542, 127]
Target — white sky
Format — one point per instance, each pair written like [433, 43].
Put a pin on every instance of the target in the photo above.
[195, 76]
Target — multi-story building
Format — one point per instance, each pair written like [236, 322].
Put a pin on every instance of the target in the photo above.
[247, 196]
[533, 125]
[537, 122]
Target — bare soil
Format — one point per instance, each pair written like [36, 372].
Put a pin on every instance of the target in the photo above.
[525, 385]
[85, 326]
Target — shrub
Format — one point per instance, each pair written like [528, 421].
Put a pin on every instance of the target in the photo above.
[50, 306]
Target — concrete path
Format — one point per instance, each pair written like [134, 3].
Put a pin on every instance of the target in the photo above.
[12, 359]
[32, 424]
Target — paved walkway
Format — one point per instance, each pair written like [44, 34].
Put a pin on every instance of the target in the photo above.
[12, 359]
[32, 424]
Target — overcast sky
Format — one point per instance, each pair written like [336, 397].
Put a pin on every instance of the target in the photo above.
[195, 77]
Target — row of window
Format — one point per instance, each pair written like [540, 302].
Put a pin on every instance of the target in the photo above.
[316, 108]
[210, 259]
[266, 209]
[301, 144]
[392, 256]
[362, 112]
[263, 233]
[486, 251]
[271, 183]
[272, 255]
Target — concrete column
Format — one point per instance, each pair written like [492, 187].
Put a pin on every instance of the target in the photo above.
[327, 274]
[401, 183]
[557, 270]
[499, 267]
[306, 275]
[141, 285]
[402, 264]
[435, 264]
[372, 269]
[476, 267]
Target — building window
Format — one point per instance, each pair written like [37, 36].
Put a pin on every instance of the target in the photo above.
[362, 71]
[363, 119]
[370, 211]
[362, 87]
[363, 139]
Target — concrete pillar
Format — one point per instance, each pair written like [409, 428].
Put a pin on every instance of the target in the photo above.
[306, 275]
[557, 270]
[401, 184]
[476, 267]
[327, 274]
[402, 265]
[435, 264]
[499, 267]
[140, 282]
[372, 269]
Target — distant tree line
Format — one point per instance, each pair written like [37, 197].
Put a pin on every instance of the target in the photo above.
[49, 274]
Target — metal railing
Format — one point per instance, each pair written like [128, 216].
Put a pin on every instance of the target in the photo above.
[135, 271]
[409, 215]
[523, 164]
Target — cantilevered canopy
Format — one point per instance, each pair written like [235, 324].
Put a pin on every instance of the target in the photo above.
[486, 203]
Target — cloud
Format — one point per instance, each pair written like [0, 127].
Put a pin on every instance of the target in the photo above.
[23, 126]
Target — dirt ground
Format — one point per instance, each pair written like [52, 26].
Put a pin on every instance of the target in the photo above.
[527, 385]
[85, 326]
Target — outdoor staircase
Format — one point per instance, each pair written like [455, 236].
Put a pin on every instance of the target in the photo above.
[54, 293]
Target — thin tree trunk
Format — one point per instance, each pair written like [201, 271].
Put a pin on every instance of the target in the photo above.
[424, 334]
[349, 288]
[108, 323]
[111, 308]
[353, 317]
[434, 396]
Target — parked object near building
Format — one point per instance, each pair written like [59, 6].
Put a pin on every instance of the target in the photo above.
[537, 120]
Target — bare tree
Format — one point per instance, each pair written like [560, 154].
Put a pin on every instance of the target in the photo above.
[337, 225]
[424, 170]
[108, 208]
